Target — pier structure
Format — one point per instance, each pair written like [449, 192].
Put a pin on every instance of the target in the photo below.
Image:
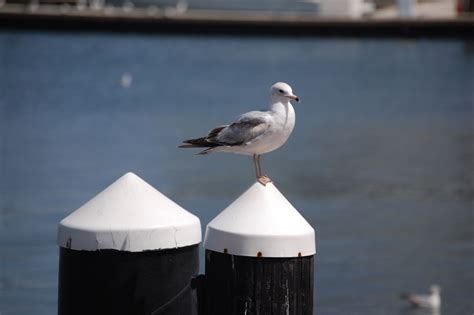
[405, 21]
[131, 250]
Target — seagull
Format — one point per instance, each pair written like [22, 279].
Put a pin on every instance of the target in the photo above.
[432, 300]
[254, 133]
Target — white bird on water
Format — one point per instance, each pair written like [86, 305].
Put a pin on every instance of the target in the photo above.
[431, 300]
[254, 133]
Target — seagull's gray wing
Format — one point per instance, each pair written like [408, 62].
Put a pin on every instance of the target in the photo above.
[245, 129]
[419, 299]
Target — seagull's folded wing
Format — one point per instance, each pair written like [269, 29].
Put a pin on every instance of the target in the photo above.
[246, 128]
[420, 300]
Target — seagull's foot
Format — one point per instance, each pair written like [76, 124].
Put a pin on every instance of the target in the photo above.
[264, 180]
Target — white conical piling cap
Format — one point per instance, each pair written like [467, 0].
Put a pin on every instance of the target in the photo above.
[261, 222]
[129, 215]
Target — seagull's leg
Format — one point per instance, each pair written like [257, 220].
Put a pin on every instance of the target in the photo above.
[264, 180]
[257, 166]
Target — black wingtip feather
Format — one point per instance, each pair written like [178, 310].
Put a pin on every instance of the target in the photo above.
[195, 143]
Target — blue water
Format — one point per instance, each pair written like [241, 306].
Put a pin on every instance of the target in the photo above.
[380, 162]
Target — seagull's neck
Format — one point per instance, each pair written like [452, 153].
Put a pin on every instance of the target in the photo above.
[284, 113]
[281, 108]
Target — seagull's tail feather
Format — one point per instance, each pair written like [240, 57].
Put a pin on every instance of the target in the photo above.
[200, 143]
[210, 141]
[204, 152]
[187, 146]
[209, 146]
[196, 143]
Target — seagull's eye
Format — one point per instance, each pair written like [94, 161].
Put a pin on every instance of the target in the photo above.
[281, 91]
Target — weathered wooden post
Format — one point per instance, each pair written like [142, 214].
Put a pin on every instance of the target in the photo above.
[129, 250]
[259, 257]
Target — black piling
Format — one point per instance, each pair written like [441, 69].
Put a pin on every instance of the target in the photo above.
[116, 282]
[258, 285]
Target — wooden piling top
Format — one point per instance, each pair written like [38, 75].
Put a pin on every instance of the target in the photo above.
[261, 223]
[129, 215]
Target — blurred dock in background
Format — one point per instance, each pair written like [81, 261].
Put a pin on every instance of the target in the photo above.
[305, 18]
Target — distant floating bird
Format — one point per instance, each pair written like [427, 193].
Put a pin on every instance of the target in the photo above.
[254, 133]
[431, 300]
[126, 79]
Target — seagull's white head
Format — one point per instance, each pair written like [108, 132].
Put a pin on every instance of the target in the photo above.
[435, 289]
[282, 92]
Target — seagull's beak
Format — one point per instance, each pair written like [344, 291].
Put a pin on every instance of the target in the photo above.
[294, 97]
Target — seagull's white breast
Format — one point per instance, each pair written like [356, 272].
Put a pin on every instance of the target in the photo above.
[281, 124]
